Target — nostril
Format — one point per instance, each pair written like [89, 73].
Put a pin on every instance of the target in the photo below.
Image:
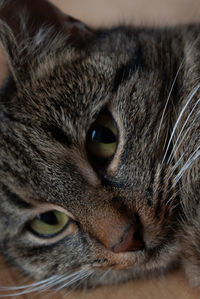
[138, 236]
[131, 241]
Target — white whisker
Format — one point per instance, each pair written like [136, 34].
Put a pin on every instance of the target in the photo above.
[178, 119]
[57, 281]
[178, 162]
[84, 289]
[187, 164]
[31, 289]
[174, 207]
[172, 86]
[78, 277]
[180, 202]
[172, 197]
[173, 152]
[169, 96]
[183, 137]
[64, 278]
[4, 288]
[45, 284]
[39, 286]
[105, 274]
[75, 286]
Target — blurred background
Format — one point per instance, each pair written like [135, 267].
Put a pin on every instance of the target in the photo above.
[144, 12]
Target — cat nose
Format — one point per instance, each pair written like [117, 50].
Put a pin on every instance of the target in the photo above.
[122, 237]
[130, 240]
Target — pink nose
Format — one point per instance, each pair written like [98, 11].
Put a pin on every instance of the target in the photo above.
[129, 241]
[116, 232]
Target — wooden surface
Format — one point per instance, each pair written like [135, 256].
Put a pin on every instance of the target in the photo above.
[171, 286]
[107, 12]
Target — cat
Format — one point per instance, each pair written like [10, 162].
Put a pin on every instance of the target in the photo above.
[99, 148]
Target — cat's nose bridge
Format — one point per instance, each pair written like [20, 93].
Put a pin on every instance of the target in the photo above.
[118, 234]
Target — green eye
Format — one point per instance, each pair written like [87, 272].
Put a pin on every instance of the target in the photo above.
[102, 137]
[48, 224]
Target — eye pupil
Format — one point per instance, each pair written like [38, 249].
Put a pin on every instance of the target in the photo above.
[102, 134]
[48, 217]
[102, 140]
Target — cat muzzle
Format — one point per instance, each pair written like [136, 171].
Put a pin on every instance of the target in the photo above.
[120, 236]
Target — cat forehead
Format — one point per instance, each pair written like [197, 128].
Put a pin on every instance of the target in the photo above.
[71, 87]
[71, 92]
[108, 51]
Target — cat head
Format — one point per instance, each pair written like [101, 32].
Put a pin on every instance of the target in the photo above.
[82, 183]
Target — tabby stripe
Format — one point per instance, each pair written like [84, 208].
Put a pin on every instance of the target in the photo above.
[171, 190]
[11, 118]
[107, 182]
[124, 73]
[17, 151]
[7, 89]
[35, 148]
[150, 190]
[59, 135]
[152, 176]
[14, 198]
[5, 167]
[159, 196]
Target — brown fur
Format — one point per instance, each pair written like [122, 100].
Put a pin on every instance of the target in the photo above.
[59, 81]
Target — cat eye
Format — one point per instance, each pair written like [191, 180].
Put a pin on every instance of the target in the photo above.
[48, 224]
[102, 137]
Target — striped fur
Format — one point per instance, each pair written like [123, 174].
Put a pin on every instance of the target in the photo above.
[58, 83]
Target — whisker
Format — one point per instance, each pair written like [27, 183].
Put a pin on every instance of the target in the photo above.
[183, 137]
[168, 98]
[174, 207]
[79, 276]
[173, 152]
[57, 282]
[178, 119]
[172, 86]
[30, 289]
[45, 284]
[4, 288]
[187, 164]
[64, 278]
[84, 289]
[178, 162]
[81, 280]
[105, 274]
[172, 197]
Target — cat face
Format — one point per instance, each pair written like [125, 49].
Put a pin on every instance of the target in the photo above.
[83, 184]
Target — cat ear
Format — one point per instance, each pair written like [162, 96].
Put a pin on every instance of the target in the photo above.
[8, 51]
[25, 22]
